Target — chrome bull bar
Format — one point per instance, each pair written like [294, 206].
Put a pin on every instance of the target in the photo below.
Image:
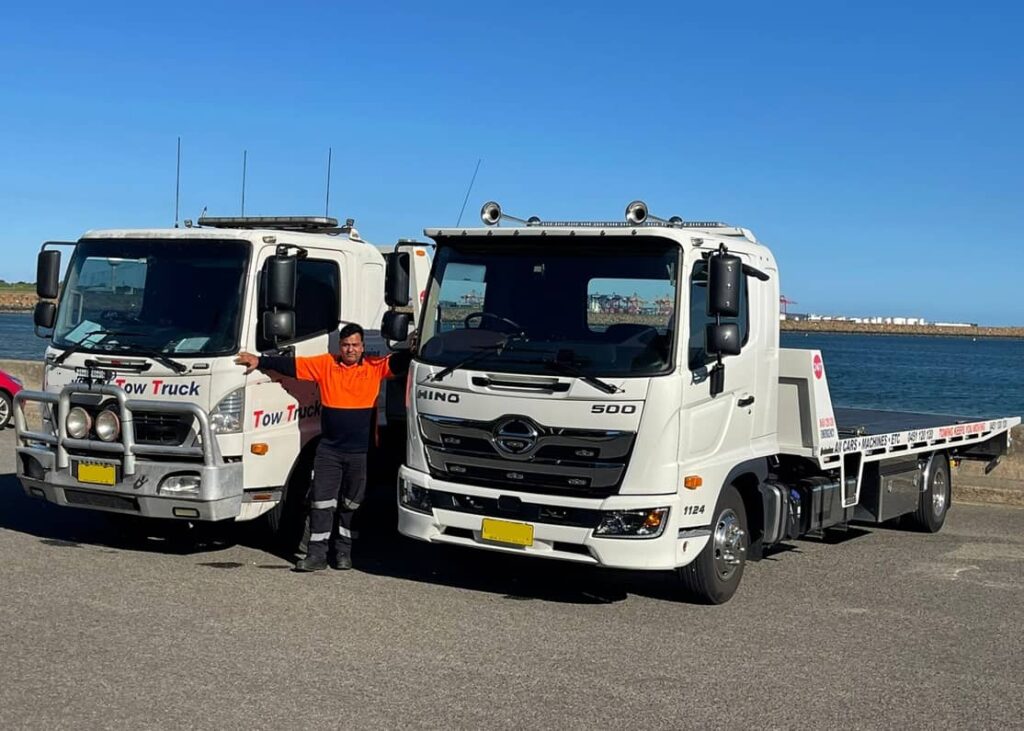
[60, 404]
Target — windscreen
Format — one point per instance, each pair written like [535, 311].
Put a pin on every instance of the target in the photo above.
[164, 296]
[596, 306]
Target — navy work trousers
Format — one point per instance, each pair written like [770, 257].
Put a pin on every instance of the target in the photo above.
[339, 484]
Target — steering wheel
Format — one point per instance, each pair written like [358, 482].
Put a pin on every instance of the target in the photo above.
[517, 329]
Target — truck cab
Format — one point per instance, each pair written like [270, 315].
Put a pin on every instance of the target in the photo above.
[609, 393]
[144, 410]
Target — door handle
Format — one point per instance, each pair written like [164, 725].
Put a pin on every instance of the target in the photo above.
[745, 401]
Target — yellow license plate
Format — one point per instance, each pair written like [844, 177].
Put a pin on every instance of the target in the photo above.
[97, 474]
[503, 531]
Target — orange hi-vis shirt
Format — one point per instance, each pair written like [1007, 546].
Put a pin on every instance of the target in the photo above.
[348, 394]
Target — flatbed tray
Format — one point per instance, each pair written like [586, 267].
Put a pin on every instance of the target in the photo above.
[869, 422]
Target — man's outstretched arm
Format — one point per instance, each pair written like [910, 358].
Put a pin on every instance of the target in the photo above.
[283, 364]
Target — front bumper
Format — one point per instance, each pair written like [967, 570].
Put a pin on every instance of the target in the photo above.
[673, 548]
[219, 498]
[47, 464]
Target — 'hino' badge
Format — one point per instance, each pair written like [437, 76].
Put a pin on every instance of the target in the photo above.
[515, 436]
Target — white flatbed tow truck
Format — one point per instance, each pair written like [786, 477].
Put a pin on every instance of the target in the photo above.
[614, 394]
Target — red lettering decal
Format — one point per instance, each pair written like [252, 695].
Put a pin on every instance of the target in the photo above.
[291, 411]
[120, 382]
[256, 419]
[156, 387]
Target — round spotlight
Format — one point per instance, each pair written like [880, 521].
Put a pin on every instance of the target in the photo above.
[78, 423]
[636, 212]
[490, 214]
[108, 426]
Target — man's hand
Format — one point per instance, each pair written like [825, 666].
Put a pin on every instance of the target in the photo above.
[248, 360]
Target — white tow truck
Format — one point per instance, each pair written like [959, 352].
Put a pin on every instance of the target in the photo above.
[614, 394]
[143, 410]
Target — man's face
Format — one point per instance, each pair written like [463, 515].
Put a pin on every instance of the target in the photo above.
[351, 349]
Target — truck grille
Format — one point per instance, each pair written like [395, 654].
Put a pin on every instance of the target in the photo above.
[154, 427]
[515, 452]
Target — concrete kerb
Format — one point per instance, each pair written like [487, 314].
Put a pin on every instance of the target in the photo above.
[1004, 486]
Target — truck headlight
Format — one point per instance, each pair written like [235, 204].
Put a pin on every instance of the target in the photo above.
[180, 485]
[108, 425]
[226, 417]
[647, 523]
[414, 497]
[78, 423]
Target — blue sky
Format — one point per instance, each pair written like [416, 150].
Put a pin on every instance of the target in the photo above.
[875, 146]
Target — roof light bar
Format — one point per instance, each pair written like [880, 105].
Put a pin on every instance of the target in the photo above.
[281, 223]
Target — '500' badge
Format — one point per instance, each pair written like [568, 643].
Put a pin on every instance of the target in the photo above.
[613, 409]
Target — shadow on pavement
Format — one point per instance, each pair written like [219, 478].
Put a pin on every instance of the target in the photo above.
[380, 551]
[67, 527]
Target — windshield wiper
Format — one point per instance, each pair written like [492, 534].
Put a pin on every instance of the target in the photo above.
[564, 368]
[174, 365]
[78, 345]
[495, 349]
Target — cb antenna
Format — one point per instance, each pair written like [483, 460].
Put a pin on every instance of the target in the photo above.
[177, 185]
[245, 160]
[327, 203]
[468, 191]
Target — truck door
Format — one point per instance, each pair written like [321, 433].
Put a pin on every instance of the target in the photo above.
[317, 311]
[723, 424]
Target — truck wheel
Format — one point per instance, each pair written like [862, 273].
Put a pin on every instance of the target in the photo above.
[712, 578]
[5, 409]
[935, 498]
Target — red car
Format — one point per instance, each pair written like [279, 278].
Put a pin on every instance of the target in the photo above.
[9, 385]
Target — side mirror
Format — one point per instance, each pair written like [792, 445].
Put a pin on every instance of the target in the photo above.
[281, 282]
[395, 325]
[396, 280]
[48, 274]
[722, 339]
[45, 315]
[278, 325]
[724, 272]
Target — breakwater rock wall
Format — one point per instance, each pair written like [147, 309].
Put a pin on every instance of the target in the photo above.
[838, 326]
[18, 301]
[29, 372]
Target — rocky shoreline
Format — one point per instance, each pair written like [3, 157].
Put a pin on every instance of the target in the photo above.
[833, 326]
[18, 301]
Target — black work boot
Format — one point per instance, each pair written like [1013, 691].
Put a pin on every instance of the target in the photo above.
[311, 563]
[342, 562]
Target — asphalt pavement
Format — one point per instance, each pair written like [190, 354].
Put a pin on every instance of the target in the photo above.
[104, 625]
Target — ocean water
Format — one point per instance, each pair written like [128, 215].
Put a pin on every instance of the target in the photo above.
[983, 377]
[944, 375]
[17, 338]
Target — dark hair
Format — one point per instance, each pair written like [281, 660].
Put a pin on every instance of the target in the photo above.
[350, 330]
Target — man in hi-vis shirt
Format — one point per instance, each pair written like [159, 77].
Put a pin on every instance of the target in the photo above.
[349, 384]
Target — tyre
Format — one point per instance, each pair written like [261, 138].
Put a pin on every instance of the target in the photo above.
[5, 409]
[934, 502]
[712, 578]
